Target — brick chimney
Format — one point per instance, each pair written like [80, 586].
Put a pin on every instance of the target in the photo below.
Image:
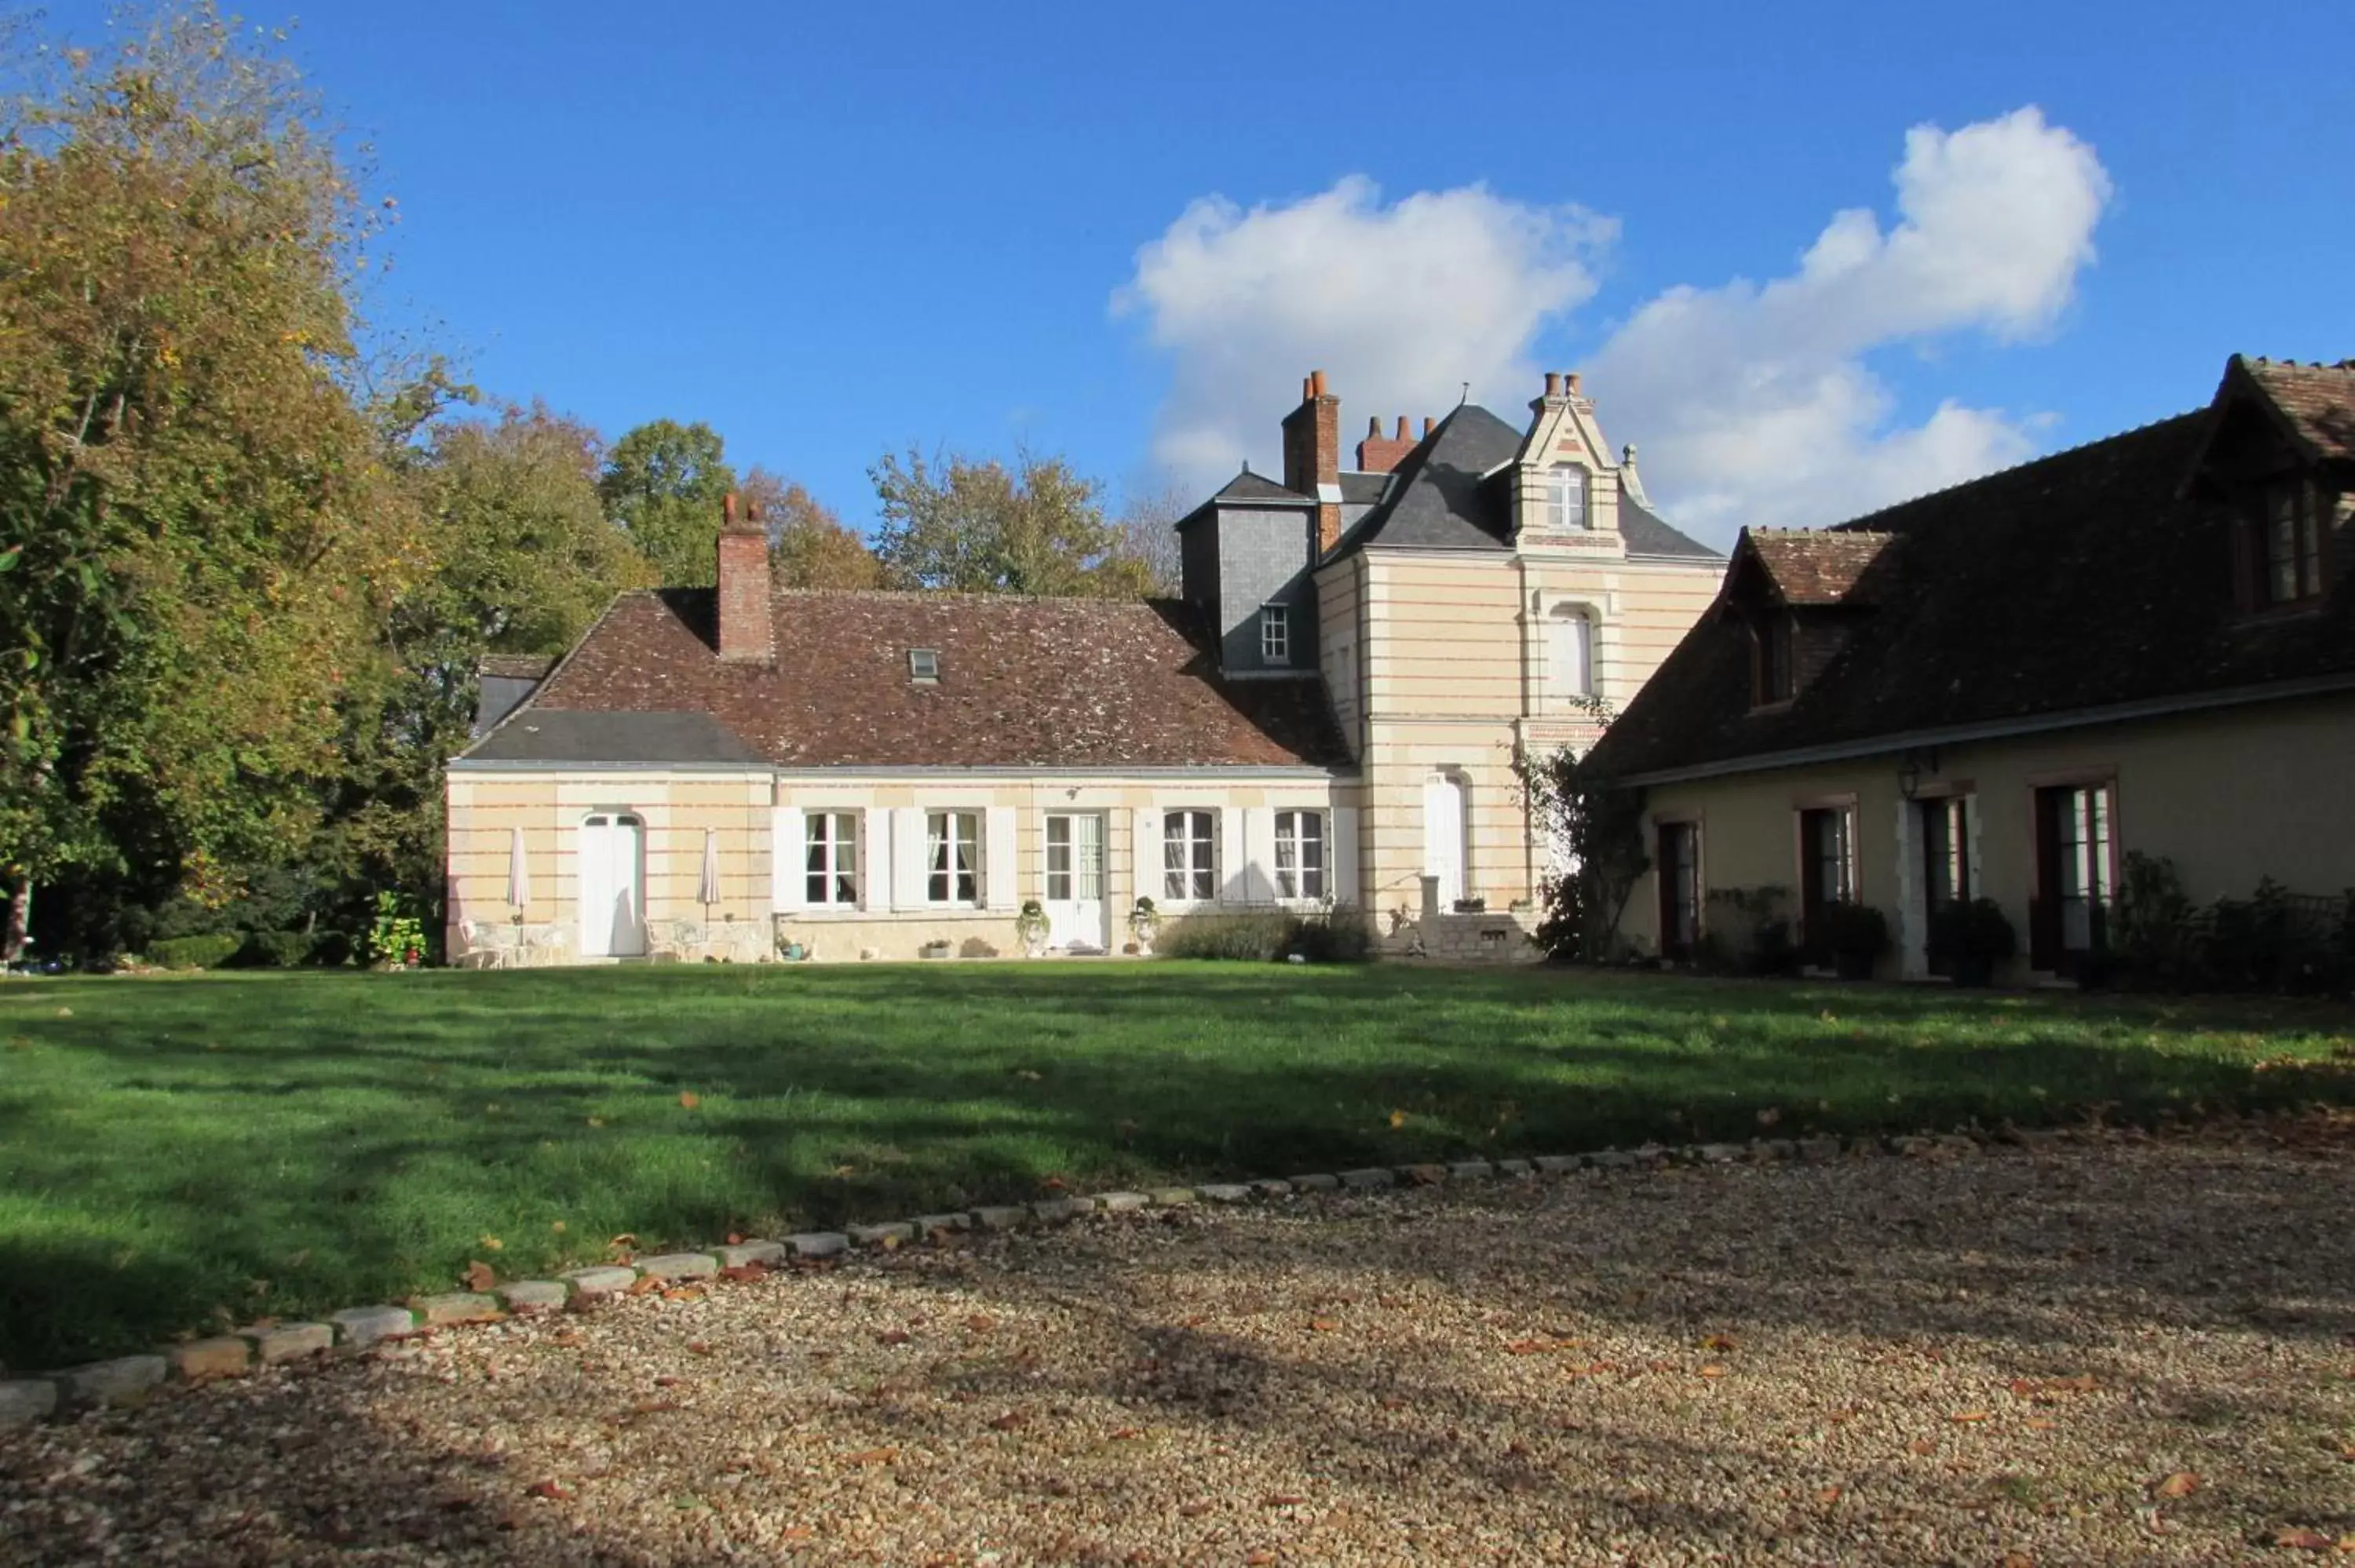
[746, 631]
[1312, 455]
[1380, 454]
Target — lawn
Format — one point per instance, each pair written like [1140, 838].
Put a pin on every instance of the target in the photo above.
[182, 1153]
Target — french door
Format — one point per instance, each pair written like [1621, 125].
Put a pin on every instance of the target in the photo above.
[1075, 882]
[1945, 824]
[2075, 872]
[612, 869]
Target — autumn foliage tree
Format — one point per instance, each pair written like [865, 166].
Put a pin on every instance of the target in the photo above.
[974, 526]
[195, 518]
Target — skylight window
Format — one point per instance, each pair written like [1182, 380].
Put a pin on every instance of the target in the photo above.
[924, 665]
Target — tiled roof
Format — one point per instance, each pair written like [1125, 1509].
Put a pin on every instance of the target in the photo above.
[1811, 567]
[2084, 580]
[2317, 400]
[1024, 683]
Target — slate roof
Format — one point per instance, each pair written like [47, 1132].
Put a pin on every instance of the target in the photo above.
[2085, 580]
[515, 666]
[2318, 401]
[1362, 489]
[1446, 494]
[1250, 486]
[1025, 682]
[1809, 567]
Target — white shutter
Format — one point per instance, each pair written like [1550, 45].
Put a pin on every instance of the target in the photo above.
[1233, 882]
[1145, 837]
[788, 854]
[1344, 852]
[1912, 894]
[874, 860]
[908, 867]
[1001, 877]
[1259, 854]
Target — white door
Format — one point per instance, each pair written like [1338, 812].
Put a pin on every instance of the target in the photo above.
[613, 862]
[1075, 882]
[1443, 835]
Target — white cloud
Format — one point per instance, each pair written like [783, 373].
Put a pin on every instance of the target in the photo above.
[1400, 303]
[1753, 403]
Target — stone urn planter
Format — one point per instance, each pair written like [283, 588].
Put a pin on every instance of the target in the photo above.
[1143, 922]
[1031, 925]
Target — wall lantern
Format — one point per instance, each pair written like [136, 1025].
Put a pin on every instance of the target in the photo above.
[1910, 771]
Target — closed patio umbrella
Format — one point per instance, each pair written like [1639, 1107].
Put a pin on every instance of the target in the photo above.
[707, 894]
[518, 874]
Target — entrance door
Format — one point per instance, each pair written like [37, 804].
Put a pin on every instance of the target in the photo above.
[1442, 836]
[1075, 882]
[1946, 830]
[613, 862]
[2073, 877]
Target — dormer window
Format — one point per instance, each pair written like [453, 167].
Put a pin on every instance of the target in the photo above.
[925, 667]
[1275, 634]
[1771, 658]
[2289, 523]
[1566, 498]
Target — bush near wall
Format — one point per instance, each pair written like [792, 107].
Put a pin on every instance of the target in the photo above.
[2273, 940]
[1339, 936]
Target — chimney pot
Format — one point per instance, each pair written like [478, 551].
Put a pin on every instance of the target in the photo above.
[1317, 384]
[1427, 423]
[727, 511]
[1373, 427]
[1553, 383]
[1570, 381]
[1401, 429]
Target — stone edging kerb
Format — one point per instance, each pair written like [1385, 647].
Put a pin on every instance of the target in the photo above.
[129, 1380]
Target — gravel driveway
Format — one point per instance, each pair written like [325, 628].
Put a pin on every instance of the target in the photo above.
[2108, 1351]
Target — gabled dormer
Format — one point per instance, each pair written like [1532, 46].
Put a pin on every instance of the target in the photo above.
[2279, 465]
[1565, 485]
[1800, 594]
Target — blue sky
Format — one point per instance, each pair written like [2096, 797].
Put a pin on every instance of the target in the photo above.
[832, 231]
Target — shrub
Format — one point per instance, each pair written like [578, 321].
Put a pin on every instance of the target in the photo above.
[1971, 938]
[209, 952]
[1855, 929]
[274, 951]
[1263, 935]
[1749, 932]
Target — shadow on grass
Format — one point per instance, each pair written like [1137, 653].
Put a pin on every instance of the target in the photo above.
[215, 1149]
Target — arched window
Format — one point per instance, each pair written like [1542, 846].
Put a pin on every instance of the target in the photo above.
[1566, 498]
[1569, 652]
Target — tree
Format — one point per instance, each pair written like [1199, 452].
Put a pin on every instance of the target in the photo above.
[197, 521]
[973, 526]
[1596, 826]
[664, 484]
[1148, 537]
[809, 547]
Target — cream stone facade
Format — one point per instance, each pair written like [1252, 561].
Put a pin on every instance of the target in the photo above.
[1330, 720]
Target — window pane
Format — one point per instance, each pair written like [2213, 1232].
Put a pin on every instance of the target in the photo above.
[1090, 857]
[936, 852]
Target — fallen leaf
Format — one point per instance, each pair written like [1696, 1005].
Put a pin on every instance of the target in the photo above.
[1719, 1342]
[1528, 1347]
[683, 1293]
[1828, 1495]
[697, 1348]
[479, 1276]
[1194, 1509]
[2042, 1425]
[1398, 1119]
[1923, 1446]
[2304, 1540]
[981, 1323]
[797, 1532]
[875, 1456]
[1281, 1499]
[645, 1284]
[555, 1491]
[892, 1336]
[666, 1380]
[1713, 1370]
[1260, 1559]
[1322, 1325]
[2018, 1560]
[691, 1099]
[1126, 1432]
[492, 1243]
[742, 1272]
[1008, 1422]
[624, 1239]
[2181, 1484]
[1967, 1416]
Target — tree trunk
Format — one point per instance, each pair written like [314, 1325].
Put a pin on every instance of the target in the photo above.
[20, 918]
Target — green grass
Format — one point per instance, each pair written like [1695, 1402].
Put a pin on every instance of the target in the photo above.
[181, 1153]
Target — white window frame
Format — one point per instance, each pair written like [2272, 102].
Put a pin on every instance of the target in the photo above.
[946, 830]
[1296, 881]
[830, 860]
[1568, 499]
[925, 667]
[1275, 634]
[1199, 859]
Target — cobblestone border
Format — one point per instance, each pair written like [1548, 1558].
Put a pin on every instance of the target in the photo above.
[130, 1380]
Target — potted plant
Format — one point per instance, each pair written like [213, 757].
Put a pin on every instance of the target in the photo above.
[1143, 922]
[1856, 934]
[397, 940]
[1030, 925]
[1971, 939]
